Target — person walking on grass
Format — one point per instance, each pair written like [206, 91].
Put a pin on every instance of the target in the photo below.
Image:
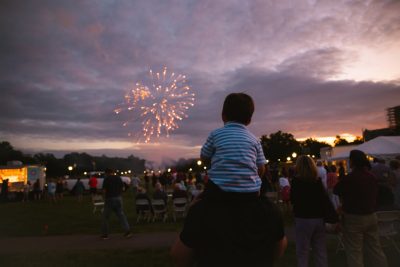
[78, 189]
[51, 190]
[112, 188]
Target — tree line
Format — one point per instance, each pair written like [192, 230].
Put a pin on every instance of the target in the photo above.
[280, 145]
[79, 162]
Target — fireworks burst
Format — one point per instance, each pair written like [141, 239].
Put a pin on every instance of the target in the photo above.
[159, 103]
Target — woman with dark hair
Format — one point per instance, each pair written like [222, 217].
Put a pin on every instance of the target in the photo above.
[358, 191]
[310, 206]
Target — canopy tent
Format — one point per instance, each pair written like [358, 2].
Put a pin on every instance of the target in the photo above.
[382, 147]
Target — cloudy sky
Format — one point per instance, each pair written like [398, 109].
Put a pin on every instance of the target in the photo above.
[314, 68]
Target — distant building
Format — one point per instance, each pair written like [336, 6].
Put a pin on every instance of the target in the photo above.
[393, 117]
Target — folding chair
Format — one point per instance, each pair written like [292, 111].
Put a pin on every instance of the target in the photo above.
[388, 225]
[160, 209]
[143, 209]
[98, 202]
[179, 206]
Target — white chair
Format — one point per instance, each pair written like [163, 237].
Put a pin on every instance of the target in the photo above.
[160, 209]
[179, 206]
[98, 202]
[143, 209]
[388, 224]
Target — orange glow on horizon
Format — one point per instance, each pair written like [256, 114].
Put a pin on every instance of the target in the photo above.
[330, 139]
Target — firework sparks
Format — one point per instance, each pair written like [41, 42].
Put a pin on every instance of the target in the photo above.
[159, 103]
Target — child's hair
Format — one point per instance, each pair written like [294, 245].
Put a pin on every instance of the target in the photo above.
[238, 107]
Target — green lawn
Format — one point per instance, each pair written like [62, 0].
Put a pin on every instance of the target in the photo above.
[67, 217]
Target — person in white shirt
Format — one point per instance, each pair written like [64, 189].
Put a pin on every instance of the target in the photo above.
[135, 183]
[322, 174]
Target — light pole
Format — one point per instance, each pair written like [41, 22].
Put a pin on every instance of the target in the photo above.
[70, 168]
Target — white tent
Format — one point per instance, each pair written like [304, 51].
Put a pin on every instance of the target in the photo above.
[382, 147]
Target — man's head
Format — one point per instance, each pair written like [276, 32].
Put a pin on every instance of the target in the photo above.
[238, 107]
[358, 159]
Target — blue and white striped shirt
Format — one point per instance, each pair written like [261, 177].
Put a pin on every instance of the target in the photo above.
[235, 155]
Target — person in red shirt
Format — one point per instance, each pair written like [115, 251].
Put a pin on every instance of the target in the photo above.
[93, 185]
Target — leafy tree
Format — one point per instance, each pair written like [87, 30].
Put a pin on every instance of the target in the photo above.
[313, 147]
[8, 153]
[340, 141]
[279, 145]
[54, 167]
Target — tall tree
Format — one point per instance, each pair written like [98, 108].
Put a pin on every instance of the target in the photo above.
[279, 145]
[340, 141]
[313, 147]
[8, 153]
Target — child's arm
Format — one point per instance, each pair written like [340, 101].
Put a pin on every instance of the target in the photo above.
[261, 170]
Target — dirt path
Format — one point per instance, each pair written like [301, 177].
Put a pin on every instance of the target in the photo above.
[90, 242]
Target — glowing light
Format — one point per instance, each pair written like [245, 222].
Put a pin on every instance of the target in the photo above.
[294, 155]
[199, 162]
[159, 103]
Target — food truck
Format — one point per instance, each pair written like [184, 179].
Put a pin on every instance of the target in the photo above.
[19, 174]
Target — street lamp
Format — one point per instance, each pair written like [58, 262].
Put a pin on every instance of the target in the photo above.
[288, 159]
[169, 170]
[294, 155]
[190, 169]
[205, 168]
[199, 162]
[70, 168]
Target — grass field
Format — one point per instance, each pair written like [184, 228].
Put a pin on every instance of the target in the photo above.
[69, 217]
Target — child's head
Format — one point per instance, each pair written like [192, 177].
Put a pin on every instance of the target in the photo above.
[238, 107]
